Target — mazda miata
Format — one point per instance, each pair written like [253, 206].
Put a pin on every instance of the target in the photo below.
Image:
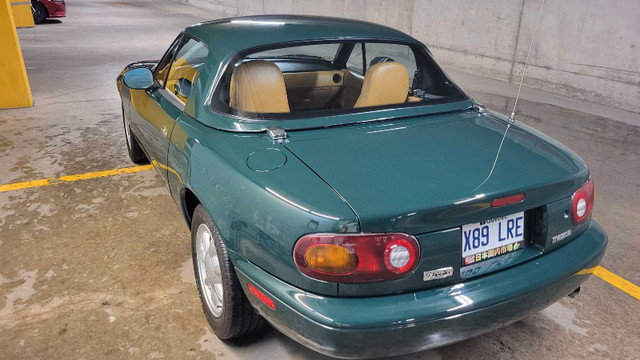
[339, 185]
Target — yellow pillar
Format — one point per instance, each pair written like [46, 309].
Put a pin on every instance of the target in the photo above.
[14, 84]
[22, 15]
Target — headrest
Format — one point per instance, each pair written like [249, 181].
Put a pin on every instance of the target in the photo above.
[384, 84]
[258, 87]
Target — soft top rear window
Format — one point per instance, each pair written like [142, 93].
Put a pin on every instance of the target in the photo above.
[296, 81]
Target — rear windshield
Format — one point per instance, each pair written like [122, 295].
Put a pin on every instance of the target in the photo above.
[310, 80]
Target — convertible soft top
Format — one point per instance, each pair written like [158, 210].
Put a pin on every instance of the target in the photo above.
[226, 38]
[231, 35]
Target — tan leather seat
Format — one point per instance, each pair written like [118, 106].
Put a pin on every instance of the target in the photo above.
[384, 83]
[258, 87]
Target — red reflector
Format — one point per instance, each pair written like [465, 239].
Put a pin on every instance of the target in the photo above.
[507, 200]
[261, 296]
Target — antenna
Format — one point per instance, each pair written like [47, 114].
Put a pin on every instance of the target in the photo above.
[526, 64]
[513, 111]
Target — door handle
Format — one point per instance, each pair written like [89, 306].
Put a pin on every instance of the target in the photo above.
[164, 131]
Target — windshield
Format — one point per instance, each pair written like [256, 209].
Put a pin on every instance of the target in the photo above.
[303, 81]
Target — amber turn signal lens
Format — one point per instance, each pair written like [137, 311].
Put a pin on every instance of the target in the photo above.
[332, 259]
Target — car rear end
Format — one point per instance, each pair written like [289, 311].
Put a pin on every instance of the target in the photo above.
[377, 326]
[56, 8]
[466, 224]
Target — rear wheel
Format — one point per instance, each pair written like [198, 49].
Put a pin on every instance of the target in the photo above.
[225, 305]
[133, 147]
[40, 12]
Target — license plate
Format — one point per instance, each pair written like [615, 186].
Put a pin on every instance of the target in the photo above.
[487, 239]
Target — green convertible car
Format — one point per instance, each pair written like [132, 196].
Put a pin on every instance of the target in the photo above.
[340, 186]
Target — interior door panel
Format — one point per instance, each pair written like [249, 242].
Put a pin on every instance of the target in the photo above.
[313, 90]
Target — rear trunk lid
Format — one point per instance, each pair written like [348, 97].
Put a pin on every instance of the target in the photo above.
[428, 176]
[435, 172]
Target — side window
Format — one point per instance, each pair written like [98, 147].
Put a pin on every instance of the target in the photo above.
[380, 52]
[186, 67]
[354, 63]
[163, 66]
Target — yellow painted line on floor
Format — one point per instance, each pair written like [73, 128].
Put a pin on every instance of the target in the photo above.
[604, 274]
[613, 279]
[71, 178]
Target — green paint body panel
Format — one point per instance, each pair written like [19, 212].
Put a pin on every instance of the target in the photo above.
[423, 170]
[404, 175]
[260, 214]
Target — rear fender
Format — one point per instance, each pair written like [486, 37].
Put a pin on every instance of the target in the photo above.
[260, 215]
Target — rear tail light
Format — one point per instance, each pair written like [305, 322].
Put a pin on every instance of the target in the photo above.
[354, 258]
[582, 202]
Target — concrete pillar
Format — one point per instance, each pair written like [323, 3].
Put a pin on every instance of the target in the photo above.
[14, 84]
[22, 15]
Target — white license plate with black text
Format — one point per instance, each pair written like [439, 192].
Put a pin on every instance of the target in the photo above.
[487, 239]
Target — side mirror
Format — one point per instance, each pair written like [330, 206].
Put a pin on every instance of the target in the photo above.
[140, 78]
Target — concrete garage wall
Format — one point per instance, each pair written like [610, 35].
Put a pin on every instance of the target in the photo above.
[586, 49]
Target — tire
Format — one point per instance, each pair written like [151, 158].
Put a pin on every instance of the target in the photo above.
[40, 13]
[133, 146]
[234, 317]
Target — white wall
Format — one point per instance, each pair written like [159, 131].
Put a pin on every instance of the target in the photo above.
[587, 49]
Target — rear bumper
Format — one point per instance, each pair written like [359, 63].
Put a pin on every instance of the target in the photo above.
[410, 322]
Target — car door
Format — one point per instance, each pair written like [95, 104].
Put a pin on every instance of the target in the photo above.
[158, 107]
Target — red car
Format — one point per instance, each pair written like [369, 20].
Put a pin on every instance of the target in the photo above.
[44, 9]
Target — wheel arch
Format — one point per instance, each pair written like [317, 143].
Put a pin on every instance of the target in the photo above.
[46, 9]
[189, 201]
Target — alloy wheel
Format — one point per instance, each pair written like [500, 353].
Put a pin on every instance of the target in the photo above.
[209, 270]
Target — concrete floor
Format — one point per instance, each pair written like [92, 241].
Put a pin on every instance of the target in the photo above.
[101, 268]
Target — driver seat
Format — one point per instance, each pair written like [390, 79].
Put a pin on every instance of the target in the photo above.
[384, 83]
[258, 87]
